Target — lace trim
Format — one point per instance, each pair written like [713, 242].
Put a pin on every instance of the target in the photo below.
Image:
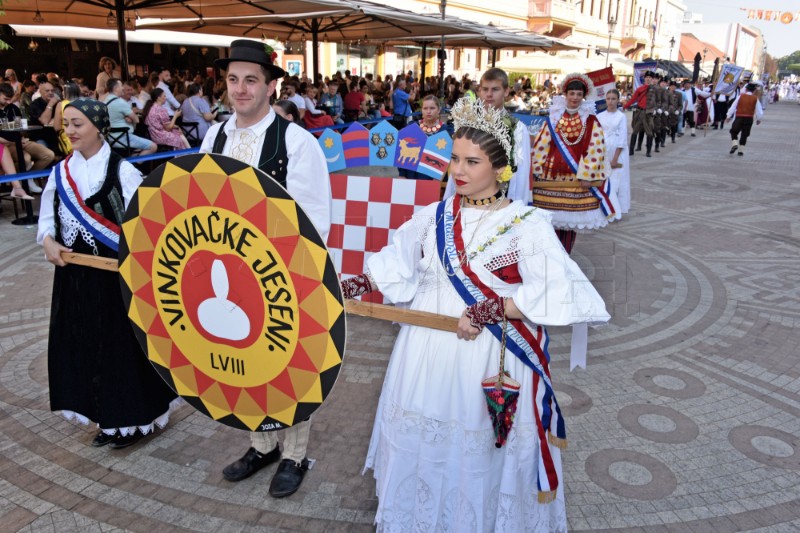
[70, 228]
[161, 421]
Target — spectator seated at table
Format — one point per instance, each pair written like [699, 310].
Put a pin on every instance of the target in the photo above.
[355, 103]
[161, 127]
[195, 108]
[291, 94]
[332, 102]
[72, 91]
[37, 156]
[314, 118]
[121, 115]
[7, 165]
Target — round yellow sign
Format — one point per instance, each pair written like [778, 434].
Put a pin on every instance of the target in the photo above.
[231, 292]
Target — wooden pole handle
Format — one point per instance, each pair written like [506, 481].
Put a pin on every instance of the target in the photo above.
[94, 261]
[352, 307]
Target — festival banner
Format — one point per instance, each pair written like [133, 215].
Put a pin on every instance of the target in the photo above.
[638, 72]
[786, 17]
[382, 144]
[331, 143]
[231, 292]
[728, 78]
[410, 145]
[604, 81]
[436, 156]
[747, 75]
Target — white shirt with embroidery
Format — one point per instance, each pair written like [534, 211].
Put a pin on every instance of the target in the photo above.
[89, 176]
[306, 173]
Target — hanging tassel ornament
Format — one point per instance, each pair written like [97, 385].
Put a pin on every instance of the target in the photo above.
[501, 393]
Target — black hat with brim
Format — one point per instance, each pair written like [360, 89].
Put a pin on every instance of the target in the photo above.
[251, 52]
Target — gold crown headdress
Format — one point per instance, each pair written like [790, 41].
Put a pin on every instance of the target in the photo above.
[467, 113]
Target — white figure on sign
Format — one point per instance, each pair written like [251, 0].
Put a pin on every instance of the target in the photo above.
[220, 316]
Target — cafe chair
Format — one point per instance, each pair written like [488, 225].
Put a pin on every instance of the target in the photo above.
[119, 140]
[192, 132]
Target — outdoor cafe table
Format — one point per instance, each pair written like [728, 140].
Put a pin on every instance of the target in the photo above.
[15, 135]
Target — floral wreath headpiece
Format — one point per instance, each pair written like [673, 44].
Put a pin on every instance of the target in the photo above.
[467, 113]
[581, 78]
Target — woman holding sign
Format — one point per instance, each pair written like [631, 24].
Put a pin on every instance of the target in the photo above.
[96, 368]
[439, 459]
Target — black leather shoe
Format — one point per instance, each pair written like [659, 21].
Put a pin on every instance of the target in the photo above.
[287, 478]
[101, 439]
[249, 464]
[121, 441]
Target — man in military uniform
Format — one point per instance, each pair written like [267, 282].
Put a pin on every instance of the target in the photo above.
[645, 99]
[675, 108]
[662, 112]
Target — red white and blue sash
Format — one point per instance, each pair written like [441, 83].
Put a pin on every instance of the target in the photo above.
[102, 229]
[528, 346]
[602, 192]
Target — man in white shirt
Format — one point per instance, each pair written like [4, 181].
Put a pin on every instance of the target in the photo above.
[286, 152]
[172, 104]
[494, 90]
[296, 99]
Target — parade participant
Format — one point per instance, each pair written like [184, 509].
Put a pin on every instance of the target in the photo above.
[644, 97]
[745, 108]
[674, 110]
[704, 107]
[494, 90]
[571, 150]
[256, 135]
[96, 368]
[720, 110]
[431, 122]
[615, 133]
[437, 457]
[659, 118]
[689, 99]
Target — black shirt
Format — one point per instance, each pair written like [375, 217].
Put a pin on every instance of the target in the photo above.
[37, 108]
[10, 112]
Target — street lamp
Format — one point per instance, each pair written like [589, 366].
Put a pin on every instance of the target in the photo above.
[442, 54]
[671, 46]
[612, 23]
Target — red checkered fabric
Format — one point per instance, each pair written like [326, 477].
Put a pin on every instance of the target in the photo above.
[366, 212]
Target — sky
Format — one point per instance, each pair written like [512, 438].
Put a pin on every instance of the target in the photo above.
[782, 39]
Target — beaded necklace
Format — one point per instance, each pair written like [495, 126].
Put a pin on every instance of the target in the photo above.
[566, 125]
[484, 201]
[429, 130]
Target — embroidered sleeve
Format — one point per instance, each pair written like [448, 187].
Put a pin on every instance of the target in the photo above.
[540, 149]
[591, 167]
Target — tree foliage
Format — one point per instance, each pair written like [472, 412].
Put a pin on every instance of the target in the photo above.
[791, 59]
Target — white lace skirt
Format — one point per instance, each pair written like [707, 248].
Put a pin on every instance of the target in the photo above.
[432, 448]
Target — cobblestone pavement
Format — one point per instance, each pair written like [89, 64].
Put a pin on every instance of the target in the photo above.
[686, 419]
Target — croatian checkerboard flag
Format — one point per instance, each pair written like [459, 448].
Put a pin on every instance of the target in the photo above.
[366, 212]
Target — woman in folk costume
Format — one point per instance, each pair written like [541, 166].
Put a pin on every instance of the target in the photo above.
[569, 157]
[454, 448]
[617, 160]
[96, 368]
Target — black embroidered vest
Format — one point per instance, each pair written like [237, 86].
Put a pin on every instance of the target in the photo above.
[273, 160]
[108, 202]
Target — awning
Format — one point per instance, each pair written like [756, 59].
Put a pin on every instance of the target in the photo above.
[139, 36]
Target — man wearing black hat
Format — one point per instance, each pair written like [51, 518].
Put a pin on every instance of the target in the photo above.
[645, 99]
[675, 108]
[286, 152]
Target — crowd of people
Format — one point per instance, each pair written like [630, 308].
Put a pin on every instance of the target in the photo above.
[510, 213]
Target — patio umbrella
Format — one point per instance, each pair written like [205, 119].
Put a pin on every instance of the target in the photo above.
[337, 20]
[696, 67]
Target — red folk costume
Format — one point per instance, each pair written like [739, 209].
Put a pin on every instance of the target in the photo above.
[580, 138]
